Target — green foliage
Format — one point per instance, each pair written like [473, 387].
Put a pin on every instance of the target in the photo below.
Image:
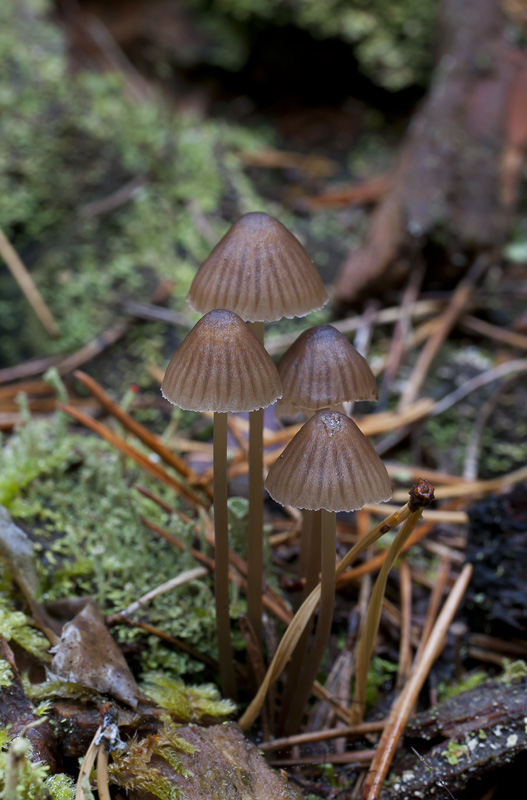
[54, 687]
[34, 452]
[6, 674]
[60, 787]
[15, 627]
[132, 768]
[513, 670]
[455, 752]
[70, 140]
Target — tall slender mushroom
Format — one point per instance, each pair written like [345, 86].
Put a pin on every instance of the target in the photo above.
[328, 465]
[260, 271]
[221, 366]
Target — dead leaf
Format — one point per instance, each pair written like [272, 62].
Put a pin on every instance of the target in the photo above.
[87, 654]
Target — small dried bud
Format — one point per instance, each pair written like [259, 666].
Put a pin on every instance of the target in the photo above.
[421, 495]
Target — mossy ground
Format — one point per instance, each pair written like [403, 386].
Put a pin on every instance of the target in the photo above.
[76, 498]
[68, 140]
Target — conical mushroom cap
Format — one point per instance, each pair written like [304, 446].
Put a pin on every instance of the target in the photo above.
[221, 366]
[328, 464]
[322, 369]
[260, 271]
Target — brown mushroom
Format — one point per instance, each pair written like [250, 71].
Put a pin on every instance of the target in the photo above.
[221, 366]
[260, 271]
[322, 369]
[328, 465]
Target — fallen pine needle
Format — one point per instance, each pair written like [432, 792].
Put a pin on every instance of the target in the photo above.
[321, 736]
[352, 757]
[173, 583]
[133, 426]
[142, 460]
[475, 487]
[402, 708]
[27, 285]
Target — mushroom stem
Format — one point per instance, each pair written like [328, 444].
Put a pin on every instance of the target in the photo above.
[256, 491]
[310, 571]
[309, 550]
[221, 556]
[324, 621]
[306, 610]
[373, 615]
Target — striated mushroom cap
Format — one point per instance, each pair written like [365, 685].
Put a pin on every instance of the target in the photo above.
[260, 271]
[221, 366]
[329, 464]
[323, 369]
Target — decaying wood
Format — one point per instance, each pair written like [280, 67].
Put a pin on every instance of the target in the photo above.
[448, 178]
[472, 735]
[18, 712]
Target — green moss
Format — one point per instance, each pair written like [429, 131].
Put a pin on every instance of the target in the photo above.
[60, 787]
[15, 627]
[192, 703]
[513, 670]
[26, 779]
[393, 40]
[70, 140]
[6, 673]
[470, 682]
[455, 752]
[132, 768]
[381, 671]
[75, 494]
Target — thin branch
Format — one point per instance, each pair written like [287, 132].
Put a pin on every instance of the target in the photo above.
[27, 285]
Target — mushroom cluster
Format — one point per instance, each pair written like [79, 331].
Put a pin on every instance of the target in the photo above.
[260, 272]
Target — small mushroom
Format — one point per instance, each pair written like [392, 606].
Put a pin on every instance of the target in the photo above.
[221, 366]
[322, 369]
[328, 465]
[260, 271]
